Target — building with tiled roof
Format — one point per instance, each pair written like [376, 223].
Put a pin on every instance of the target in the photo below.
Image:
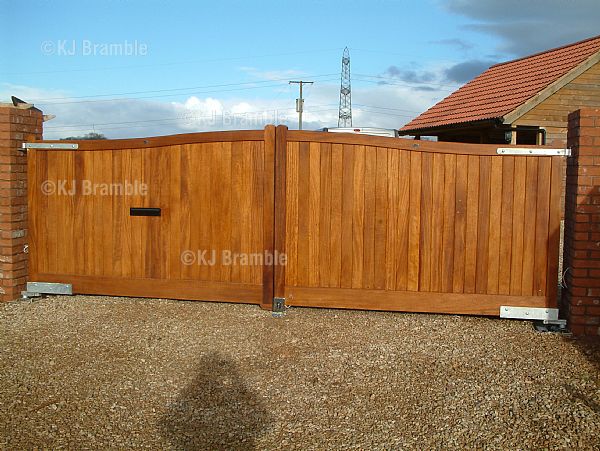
[525, 101]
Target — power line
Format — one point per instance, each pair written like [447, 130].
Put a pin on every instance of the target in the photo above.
[186, 118]
[235, 58]
[149, 125]
[166, 95]
[192, 117]
[171, 89]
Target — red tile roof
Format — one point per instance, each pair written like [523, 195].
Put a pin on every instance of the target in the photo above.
[505, 86]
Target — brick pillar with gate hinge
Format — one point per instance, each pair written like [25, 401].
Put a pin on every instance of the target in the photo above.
[581, 253]
[17, 124]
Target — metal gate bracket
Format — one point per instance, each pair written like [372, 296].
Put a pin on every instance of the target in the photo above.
[35, 289]
[533, 151]
[530, 313]
[278, 306]
[50, 146]
[546, 318]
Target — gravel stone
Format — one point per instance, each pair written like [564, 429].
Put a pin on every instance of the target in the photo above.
[103, 372]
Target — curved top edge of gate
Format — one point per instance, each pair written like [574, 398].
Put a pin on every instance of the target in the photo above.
[400, 143]
[293, 136]
[167, 140]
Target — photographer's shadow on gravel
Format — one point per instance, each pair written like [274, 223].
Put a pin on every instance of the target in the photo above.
[216, 410]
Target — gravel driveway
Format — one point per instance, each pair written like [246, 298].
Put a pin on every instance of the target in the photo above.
[99, 372]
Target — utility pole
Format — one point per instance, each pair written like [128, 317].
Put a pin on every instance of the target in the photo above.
[300, 100]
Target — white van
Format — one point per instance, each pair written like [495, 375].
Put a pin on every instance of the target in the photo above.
[389, 132]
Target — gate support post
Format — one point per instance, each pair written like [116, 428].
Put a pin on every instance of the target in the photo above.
[274, 216]
[18, 123]
[268, 216]
[581, 298]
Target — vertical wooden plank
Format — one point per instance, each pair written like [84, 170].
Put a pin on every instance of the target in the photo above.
[126, 231]
[516, 267]
[118, 217]
[393, 158]
[202, 206]
[51, 215]
[541, 227]
[369, 215]
[190, 192]
[314, 207]
[460, 223]
[274, 211]
[303, 213]
[258, 157]
[335, 248]
[449, 189]
[280, 203]
[246, 208]
[215, 191]
[506, 228]
[347, 208]
[153, 224]
[381, 213]
[43, 229]
[407, 224]
[325, 216]
[292, 181]
[165, 160]
[136, 230]
[483, 224]
[106, 221]
[358, 215]
[529, 224]
[472, 223]
[237, 194]
[33, 214]
[414, 228]
[175, 230]
[437, 223]
[79, 220]
[97, 220]
[426, 222]
[226, 207]
[66, 251]
[557, 171]
[494, 225]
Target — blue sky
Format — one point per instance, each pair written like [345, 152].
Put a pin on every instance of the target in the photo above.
[217, 65]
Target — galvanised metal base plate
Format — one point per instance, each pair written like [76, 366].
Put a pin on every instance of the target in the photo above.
[49, 288]
[530, 313]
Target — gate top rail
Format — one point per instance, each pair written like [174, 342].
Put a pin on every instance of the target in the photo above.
[155, 141]
[411, 144]
[294, 135]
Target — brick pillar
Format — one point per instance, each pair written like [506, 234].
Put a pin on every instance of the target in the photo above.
[16, 125]
[581, 299]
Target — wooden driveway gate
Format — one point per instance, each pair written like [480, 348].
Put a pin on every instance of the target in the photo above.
[365, 222]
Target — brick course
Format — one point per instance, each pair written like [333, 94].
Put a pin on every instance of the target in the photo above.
[16, 125]
[581, 253]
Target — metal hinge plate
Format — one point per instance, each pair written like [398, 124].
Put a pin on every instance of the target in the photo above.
[49, 288]
[539, 152]
[278, 305]
[530, 313]
[58, 146]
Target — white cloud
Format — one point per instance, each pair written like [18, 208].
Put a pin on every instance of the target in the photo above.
[374, 104]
